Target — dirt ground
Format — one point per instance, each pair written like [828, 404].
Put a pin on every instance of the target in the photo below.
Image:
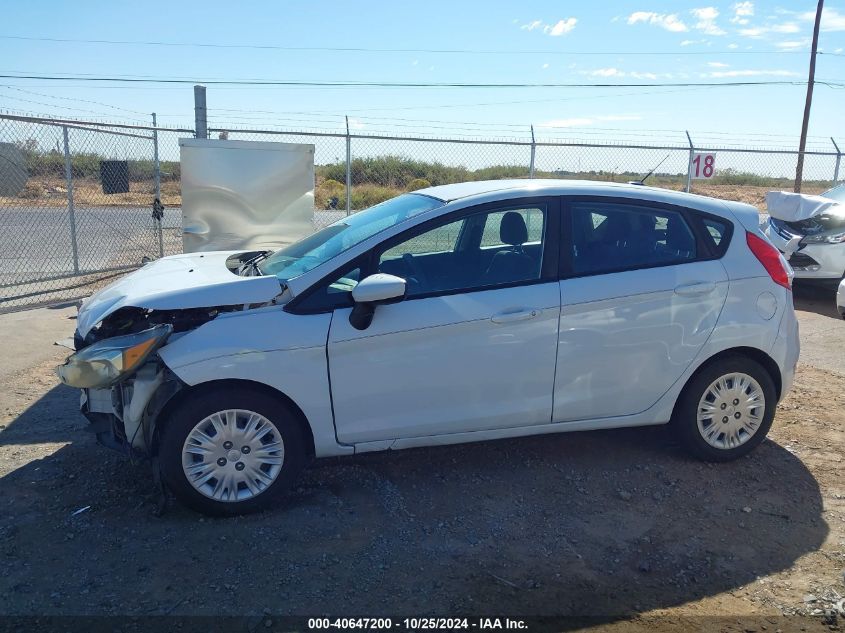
[617, 524]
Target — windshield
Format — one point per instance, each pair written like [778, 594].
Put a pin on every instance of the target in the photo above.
[837, 193]
[310, 252]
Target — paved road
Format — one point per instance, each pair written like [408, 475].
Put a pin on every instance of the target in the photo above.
[36, 241]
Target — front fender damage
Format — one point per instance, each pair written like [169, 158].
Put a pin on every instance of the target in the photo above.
[126, 417]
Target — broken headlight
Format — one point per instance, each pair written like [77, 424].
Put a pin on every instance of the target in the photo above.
[106, 362]
[825, 238]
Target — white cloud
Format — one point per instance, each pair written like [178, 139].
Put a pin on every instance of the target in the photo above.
[793, 44]
[706, 17]
[722, 74]
[546, 65]
[670, 21]
[688, 42]
[356, 124]
[838, 50]
[562, 27]
[733, 45]
[832, 20]
[575, 122]
[619, 74]
[607, 72]
[755, 32]
[742, 11]
[585, 121]
[786, 27]
[619, 117]
[717, 65]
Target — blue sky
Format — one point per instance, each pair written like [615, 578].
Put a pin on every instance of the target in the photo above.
[564, 42]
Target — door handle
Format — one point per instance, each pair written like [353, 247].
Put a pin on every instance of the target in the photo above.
[695, 289]
[515, 315]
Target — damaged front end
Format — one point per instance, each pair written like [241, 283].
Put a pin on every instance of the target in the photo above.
[120, 329]
[124, 383]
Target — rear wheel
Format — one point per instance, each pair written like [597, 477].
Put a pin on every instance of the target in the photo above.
[231, 451]
[726, 409]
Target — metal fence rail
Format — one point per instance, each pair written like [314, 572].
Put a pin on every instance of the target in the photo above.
[78, 198]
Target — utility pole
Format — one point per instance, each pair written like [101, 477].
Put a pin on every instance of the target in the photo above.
[802, 144]
[200, 113]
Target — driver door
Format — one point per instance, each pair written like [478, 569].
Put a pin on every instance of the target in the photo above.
[473, 345]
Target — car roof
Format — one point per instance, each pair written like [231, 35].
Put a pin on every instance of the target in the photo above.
[538, 186]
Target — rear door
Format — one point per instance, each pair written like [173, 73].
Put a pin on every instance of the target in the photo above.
[641, 292]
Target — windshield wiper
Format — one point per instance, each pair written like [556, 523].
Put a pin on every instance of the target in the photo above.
[252, 264]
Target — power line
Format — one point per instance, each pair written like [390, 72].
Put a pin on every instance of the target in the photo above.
[395, 84]
[76, 99]
[61, 107]
[361, 49]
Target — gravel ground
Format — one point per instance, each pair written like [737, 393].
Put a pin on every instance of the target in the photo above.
[619, 524]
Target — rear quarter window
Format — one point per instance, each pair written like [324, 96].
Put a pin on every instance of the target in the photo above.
[716, 232]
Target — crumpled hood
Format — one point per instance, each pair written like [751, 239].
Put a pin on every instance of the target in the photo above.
[794, 207]
[193, 280]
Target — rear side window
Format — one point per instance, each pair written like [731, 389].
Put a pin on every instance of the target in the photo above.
[610, 236]
[717, 231]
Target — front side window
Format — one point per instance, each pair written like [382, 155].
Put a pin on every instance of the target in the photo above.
[308, 253]
[482, 250]
[610, 236]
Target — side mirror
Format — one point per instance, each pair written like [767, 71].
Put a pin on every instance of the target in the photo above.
[372, 291]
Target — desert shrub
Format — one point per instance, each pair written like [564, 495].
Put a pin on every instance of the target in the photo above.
[33, 191]
[332, 187]
[326, 190]
[364, 196]
[418, 183]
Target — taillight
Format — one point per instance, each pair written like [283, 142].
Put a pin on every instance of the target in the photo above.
[770, 257]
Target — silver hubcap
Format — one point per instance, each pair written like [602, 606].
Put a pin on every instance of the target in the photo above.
[233, 455]
[731, 410]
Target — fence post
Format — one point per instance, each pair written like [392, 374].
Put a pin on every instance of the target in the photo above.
[533, 152]
[348, 169]
[70, 209]
[689, 164]
[157, 181]
[200, 113]
[838, 160]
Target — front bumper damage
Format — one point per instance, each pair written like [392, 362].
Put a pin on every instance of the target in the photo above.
[124, 416]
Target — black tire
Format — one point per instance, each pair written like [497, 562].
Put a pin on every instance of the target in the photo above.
[205, 402]
[685, 416]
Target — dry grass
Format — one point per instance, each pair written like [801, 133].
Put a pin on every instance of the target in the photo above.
[52, 193]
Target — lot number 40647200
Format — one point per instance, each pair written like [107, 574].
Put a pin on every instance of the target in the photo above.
[703, 166]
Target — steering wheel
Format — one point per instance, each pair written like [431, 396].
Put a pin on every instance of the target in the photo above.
[419, 277]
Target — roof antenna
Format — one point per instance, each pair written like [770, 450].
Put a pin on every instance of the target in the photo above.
[641, 181]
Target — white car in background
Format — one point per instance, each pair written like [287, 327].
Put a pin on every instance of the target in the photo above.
[464, 312]
[815, 246]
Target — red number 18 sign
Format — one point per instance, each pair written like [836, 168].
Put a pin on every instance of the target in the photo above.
[703, 166]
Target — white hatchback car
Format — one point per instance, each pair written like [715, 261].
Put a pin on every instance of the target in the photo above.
[457, 313]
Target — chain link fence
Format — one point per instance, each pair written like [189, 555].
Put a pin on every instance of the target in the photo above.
[78, 199]
[76, 208]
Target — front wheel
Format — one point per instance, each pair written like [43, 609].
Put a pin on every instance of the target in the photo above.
[231, 451]
[726, 410]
